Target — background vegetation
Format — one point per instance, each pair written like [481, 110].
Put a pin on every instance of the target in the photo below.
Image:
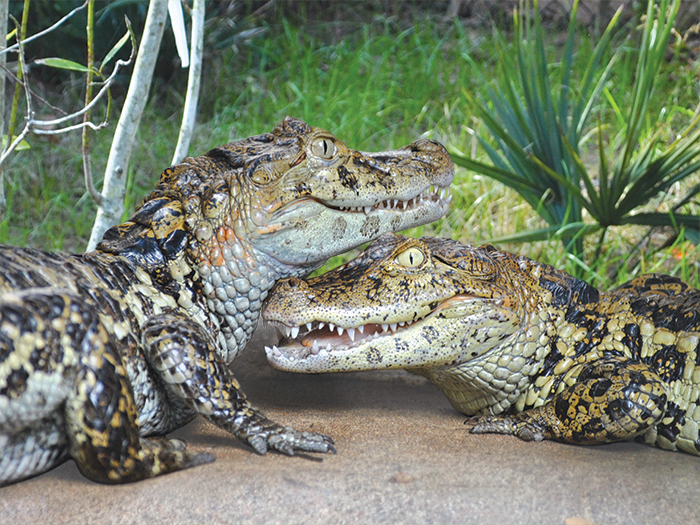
[377, 75]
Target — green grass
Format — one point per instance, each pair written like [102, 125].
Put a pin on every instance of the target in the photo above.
[375, 86]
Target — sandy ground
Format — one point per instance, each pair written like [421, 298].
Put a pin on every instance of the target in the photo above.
[403, 457]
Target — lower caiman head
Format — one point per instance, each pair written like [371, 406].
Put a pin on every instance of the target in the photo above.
[409, 303]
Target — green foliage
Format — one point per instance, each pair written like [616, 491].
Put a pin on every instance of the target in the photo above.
[538, 114]
[375, 85]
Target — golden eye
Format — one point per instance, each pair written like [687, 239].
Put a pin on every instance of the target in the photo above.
[323, 148]
[411, 258]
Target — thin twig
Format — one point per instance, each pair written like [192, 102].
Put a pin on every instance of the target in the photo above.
[15, 47]
[33, 125]
[105, 88]
[20, 32]
[87, 160]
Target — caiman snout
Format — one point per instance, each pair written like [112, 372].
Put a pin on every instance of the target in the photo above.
[293, 283]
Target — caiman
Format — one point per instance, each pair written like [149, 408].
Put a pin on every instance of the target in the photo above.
[100, 350]
[524, 348]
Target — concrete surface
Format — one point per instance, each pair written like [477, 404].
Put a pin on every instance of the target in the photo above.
[403, 457]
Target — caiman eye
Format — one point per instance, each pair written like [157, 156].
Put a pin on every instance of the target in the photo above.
[411, 258]
[323, 148]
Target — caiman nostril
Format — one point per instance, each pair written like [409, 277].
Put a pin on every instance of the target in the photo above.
[293, 283]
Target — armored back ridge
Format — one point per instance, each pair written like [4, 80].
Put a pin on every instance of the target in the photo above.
[98, 351]
[532, 350]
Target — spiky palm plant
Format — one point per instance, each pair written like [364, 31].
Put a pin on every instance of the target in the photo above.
[539, 121]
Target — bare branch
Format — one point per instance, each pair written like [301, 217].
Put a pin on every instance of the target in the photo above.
[189, 112]
[15, 47]
[114, 184]
[16, 142]
[103, 91]
[35, 126]
[74, 127]
[87, 159]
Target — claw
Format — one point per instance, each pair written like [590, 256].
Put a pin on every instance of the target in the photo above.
[287, 441]
[259, 444]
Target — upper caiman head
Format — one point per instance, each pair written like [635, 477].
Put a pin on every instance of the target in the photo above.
[412, 303]
[297, 194]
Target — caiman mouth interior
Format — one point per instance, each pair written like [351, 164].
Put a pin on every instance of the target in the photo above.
[434, 194]
[319, 337]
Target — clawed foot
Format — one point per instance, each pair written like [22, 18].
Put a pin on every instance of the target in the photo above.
[287, 440]
[525, 430]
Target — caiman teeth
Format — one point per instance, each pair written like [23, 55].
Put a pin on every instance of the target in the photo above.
[402, 205]
[311, 339]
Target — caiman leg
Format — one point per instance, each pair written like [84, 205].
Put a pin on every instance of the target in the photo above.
[101, 417]
[184, 356]
[613, 400]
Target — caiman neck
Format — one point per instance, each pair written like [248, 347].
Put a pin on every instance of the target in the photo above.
[235, 277]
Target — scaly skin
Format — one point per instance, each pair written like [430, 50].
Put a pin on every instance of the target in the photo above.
[100, 350]
[529, 349]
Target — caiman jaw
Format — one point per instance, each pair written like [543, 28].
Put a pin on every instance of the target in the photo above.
[319, 337]
[433, 195]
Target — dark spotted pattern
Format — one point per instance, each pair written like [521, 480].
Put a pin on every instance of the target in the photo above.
[100, 351]
[532, 350]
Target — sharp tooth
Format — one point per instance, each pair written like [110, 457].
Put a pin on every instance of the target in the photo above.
[321, 325]
[361, 328]
[295, 332]
[405, 204]
[340, 330]
[314, 347]
[448, 199]
[351, 333]
[308, 326]
[287, 330]
[402, 323]
[442, 193]
[396, 202]
[368, 209]
[328, 347]
[393, 327]
[385, 327]
[331, 326]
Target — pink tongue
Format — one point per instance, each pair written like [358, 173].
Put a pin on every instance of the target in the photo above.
[325, 336]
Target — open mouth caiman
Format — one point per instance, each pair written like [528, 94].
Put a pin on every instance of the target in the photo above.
[531, 350]
[99, 350]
